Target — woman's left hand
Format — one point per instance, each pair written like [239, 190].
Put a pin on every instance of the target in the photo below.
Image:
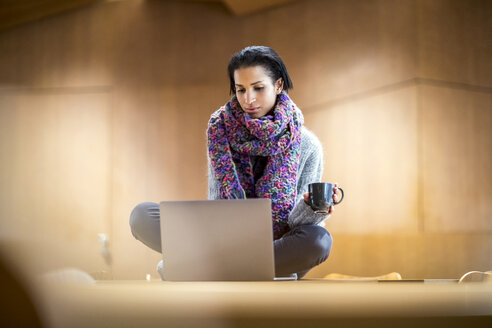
[335, 199]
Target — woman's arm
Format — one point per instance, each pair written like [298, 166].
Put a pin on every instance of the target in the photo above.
[310, 170]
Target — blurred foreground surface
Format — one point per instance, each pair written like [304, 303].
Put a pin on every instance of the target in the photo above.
[308, 303]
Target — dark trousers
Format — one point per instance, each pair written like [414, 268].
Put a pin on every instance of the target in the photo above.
[298, 251]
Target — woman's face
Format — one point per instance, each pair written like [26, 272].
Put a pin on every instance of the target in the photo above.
[255, 90]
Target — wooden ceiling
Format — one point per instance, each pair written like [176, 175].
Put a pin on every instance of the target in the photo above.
[17, 12]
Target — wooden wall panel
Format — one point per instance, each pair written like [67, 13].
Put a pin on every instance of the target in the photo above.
[349, 48]
[370, 149]
[56, 162]
[145, 166]
[414, 256]
[75, 49]
[455, 41]
[457, 159]
[14, 13]
[137, 42]
[173, 44]
[196, 105]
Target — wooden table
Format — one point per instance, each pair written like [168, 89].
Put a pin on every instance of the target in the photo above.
[305, 303]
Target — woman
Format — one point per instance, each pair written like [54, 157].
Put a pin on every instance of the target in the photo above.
[259, 148]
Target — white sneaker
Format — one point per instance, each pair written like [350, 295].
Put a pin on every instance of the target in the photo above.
[476, 276]
[292, 276]
[160, 269]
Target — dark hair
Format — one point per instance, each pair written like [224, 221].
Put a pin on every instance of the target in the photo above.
[262, 56]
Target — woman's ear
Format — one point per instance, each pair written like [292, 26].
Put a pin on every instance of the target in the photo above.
[279, 86]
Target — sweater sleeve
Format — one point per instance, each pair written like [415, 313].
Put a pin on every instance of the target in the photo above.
[310, 170]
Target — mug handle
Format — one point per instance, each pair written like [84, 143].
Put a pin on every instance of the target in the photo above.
[336, 203]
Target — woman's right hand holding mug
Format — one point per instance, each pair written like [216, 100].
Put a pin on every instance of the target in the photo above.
[322, 197]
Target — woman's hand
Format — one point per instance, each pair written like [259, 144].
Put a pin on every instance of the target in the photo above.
[335, 199]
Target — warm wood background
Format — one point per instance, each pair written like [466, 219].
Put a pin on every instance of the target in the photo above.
[105, 107]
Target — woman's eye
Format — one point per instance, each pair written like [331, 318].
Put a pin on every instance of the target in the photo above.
[259, 88]
[240, 90]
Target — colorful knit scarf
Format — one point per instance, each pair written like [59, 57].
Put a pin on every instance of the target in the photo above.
[234, 138]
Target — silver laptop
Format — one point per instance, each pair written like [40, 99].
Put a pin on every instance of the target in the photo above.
[217, 240]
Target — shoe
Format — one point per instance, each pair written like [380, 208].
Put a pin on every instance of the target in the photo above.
[160, 269]
[476, 276]
[292, 276]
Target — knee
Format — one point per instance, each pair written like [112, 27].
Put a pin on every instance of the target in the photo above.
[138, 217]
[321, 242]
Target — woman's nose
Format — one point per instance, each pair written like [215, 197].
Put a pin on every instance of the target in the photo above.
[250, 98]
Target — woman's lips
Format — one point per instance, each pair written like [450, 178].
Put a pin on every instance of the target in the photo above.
[252, 109]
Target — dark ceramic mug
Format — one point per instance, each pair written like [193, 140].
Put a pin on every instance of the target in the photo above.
[321, 196]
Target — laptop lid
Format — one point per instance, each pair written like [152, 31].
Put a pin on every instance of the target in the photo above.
[215, 240]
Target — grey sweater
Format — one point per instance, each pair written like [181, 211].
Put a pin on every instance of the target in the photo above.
[310, 170]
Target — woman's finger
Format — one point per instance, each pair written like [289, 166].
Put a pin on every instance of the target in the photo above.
[330, 211]
[306, 198]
